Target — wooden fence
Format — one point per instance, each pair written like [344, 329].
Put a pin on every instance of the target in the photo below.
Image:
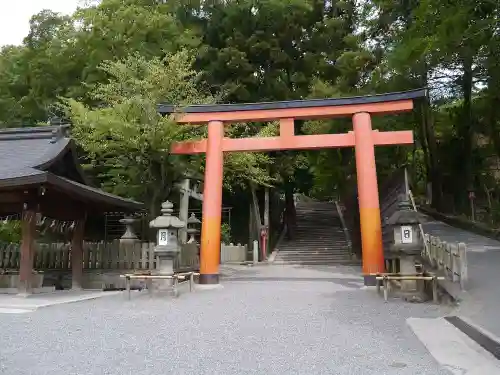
[450, 258]
[111, 256]
[101, 255]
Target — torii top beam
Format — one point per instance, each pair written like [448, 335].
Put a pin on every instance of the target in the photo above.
[296, 109]
[286, 112]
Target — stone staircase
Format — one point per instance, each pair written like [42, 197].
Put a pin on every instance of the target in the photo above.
[319, 239]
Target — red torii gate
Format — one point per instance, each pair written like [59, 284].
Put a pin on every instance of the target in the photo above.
[363, 138]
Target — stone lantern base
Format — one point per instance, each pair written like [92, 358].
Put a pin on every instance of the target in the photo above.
[165, 257]
[411, 290]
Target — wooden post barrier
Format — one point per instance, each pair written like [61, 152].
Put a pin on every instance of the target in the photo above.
[385, 278]
[175, 278]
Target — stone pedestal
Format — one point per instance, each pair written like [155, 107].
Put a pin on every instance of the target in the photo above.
[411, 290]
[407, 267]
[165, 266]
[129, 235]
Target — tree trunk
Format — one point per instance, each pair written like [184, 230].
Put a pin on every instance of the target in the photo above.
[436, 176]
[256, 209]
[465, 135]
[429, 145]
[493, 92]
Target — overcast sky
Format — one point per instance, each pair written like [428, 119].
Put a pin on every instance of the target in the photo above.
[15, 16]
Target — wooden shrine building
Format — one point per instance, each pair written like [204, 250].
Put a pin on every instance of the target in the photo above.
[40, 176]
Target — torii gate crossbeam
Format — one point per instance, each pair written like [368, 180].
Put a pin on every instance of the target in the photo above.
[363, 138]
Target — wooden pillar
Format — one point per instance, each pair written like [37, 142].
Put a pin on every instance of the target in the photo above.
[77, 255]
[212, 205]
[28, 233]
[369, 208]
[266, 218]
[184, 209]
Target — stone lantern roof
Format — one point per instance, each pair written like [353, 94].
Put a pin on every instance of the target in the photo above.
[405, 215]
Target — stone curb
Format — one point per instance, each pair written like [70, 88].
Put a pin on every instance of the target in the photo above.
[35, 306]
[481, 336]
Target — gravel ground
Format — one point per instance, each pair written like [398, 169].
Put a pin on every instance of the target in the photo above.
[323, 322]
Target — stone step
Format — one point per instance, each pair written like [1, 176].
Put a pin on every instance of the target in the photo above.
[334, 238]
[319, 237]
[306, 249]
[327, 244]
[326, 241]
[320, 263]
[320, 234]
[321, 209]
[313, 245]
[312, 259]
[314, 214]
[314, 251]
[327, 224]
[327, 227]
[315, 217]
[316, 205]
[311, 254]
[307, 252]
[315, 233]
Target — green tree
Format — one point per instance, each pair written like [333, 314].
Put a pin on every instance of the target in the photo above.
[126, 139]
[128, 142]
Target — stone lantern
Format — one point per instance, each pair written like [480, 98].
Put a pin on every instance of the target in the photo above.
[407, 236]
[192, 230]
[167, 244]
[408, 245]
[129, 235]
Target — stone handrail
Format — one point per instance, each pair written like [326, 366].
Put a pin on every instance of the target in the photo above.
[450, 258]
[344, 226]
[420, 227]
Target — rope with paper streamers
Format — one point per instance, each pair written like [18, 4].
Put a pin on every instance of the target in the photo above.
[44, 223]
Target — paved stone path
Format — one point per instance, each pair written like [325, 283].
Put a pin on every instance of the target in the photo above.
[265, 320]
[481, 302]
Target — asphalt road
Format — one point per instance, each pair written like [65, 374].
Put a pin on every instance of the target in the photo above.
[481, 300]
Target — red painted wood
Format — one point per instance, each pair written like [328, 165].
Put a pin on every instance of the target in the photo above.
[301, 113]
[293, 142]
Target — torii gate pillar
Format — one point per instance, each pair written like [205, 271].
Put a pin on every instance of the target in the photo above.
[212, 205]
[369, 208]
[363, 138]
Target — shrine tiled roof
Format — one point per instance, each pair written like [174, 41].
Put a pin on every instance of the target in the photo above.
[28, 157]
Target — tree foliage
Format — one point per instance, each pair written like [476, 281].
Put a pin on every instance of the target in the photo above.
[115, 60]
